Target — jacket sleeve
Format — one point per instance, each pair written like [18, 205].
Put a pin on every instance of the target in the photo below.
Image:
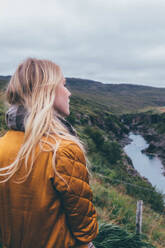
[71, 181]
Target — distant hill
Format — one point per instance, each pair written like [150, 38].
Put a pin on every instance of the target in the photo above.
[119, 98]
[5, 77]
[116, 98]
[3, 81]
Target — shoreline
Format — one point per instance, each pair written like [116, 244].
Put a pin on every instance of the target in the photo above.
[157, 153]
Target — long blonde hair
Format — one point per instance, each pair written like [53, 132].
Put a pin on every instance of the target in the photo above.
[33, 85]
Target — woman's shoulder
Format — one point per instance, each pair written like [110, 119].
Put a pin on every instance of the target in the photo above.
[12, 136]
[72, 150]
[68, 143]
[65, 148]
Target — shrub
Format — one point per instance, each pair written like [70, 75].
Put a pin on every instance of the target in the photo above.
[112, 236]
[96, 136]
[112, 151]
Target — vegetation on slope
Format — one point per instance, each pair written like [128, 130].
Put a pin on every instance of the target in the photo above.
[102, 133]
[117, 208]
[116, 185]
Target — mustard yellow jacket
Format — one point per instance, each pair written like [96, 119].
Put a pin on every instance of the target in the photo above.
[45, 211]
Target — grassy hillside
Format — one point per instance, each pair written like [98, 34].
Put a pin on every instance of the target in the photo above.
[116, 207]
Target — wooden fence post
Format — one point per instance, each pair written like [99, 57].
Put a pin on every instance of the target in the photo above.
[139, 212]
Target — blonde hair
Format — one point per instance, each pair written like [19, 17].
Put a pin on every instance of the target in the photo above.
[33, 85]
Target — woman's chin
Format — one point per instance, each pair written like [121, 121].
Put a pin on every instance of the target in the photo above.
[64, 114]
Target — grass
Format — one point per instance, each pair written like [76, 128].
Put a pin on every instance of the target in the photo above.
[115, 207]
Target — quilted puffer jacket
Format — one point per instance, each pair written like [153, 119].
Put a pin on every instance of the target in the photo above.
[45, 210]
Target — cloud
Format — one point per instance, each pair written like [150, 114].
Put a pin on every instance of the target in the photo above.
[109, 41]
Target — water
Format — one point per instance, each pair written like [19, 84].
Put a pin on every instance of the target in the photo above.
[148, 166]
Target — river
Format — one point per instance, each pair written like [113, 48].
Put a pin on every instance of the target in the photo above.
[148, 166]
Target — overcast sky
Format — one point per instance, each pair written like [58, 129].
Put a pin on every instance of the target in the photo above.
[112, 41]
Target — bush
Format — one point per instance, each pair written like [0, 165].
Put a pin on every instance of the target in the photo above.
[96, 136]
[111, 236]
[112, 151]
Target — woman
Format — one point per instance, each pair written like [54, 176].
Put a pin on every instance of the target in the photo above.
[45, 197]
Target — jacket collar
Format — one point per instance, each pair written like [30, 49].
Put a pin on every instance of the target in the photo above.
[16, 117]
